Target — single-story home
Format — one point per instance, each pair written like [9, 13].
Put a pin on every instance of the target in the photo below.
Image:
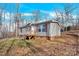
[48, 28]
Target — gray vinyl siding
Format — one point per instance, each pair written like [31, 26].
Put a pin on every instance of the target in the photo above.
[53, 29]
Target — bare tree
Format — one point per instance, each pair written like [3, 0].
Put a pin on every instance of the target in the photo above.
[1, 17]
[77, 21]
[65, 17]
[36, 15]
[17, 20]
[68, 10]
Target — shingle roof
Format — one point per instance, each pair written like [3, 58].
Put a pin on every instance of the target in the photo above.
[40, 22]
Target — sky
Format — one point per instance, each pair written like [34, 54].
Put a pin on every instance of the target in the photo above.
[46, 9]
[29, 7]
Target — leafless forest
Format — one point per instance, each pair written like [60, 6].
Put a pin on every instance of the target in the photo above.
[65, 45]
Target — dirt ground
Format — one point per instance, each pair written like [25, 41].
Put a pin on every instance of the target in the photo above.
[59, 46]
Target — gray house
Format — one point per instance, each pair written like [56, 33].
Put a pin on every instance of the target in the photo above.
[41, 29]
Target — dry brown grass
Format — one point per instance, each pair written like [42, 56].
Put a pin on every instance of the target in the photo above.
[33, 47]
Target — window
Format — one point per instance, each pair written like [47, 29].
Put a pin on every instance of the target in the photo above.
[39, 30]
[42, 28]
